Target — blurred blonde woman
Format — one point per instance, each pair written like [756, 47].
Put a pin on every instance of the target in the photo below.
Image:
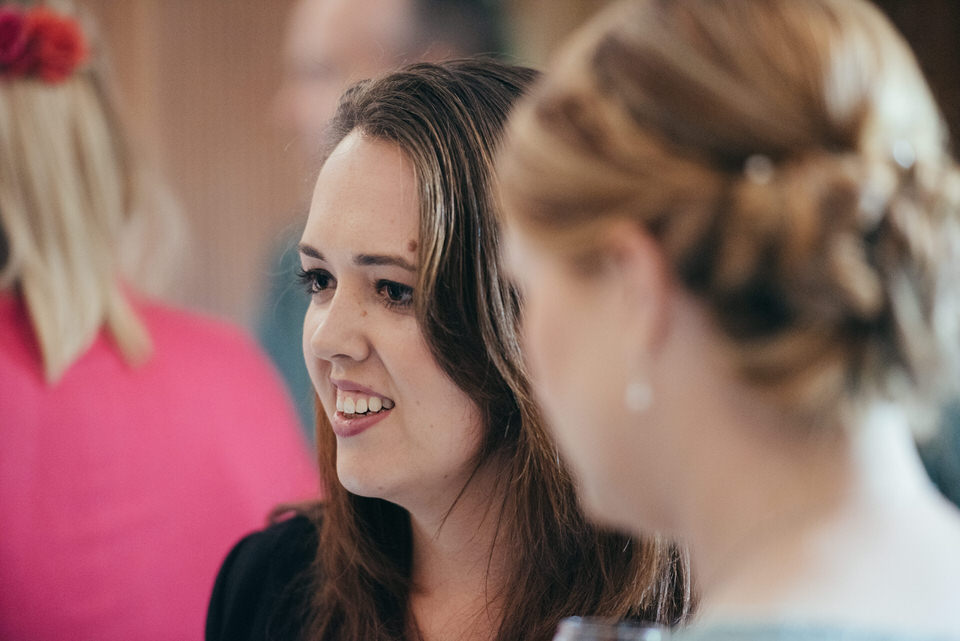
[735, 225]
[136, 441]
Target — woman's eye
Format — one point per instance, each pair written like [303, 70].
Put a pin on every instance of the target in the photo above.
[315, 280]
[396, 294]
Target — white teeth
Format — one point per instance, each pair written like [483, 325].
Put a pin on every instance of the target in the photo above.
[347, 404]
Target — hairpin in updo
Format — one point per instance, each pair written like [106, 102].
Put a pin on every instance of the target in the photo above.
[758, 168]
[39, 43]
[903, 153]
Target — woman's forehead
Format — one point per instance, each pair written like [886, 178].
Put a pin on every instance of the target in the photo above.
[366, 193]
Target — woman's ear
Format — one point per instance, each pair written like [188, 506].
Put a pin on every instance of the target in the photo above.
[644, 281]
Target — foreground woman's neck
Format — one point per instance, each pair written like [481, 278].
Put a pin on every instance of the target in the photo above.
[831, 530]
[458, 571]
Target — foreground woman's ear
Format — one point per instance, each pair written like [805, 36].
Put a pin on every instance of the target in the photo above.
[643, 280]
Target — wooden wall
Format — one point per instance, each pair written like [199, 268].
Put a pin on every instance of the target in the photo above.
[197, 78]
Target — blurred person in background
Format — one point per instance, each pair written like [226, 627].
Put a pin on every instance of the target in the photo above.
[329, 45]
[137, 442]
[736, 226]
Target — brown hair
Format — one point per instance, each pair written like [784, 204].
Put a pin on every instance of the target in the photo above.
[448, 119]
[789, 160]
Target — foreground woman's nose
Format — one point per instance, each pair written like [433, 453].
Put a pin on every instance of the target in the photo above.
[337, 330]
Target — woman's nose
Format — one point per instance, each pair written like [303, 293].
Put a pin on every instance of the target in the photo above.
[336, 329]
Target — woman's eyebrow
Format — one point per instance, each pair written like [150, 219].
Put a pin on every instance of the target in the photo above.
[380, 259]
[310, 251]
[363, 260]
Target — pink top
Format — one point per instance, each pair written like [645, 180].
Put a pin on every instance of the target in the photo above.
[122, 490]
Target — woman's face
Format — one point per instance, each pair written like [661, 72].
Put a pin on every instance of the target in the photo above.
[576, 328]
[405, 432]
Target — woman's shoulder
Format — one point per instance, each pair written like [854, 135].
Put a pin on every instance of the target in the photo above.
[263, 588]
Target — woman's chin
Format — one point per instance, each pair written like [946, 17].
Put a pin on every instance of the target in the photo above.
[359, 481]
[364, 483]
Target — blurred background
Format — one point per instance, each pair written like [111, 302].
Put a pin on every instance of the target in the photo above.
[199, 79]
[203, 84]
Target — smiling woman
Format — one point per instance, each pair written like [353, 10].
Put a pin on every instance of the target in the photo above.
[363, 345]
[449, 514]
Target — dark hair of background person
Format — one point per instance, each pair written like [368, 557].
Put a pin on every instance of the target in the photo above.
[472, 25]
[448, 119]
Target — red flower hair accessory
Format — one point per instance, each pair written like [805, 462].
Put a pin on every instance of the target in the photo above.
[40, 42]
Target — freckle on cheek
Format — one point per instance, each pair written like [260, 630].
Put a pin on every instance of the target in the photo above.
[412, 245]
[363, 313]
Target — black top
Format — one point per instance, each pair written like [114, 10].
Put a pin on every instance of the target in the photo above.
[263, 590]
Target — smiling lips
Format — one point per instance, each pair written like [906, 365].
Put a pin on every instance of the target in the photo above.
[358, 409]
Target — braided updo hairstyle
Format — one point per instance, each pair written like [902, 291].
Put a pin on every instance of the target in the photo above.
[788, 158]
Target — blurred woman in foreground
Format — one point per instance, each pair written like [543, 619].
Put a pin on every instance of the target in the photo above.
[735, 225]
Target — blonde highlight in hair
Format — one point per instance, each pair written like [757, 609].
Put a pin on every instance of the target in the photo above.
[70, 199]
[790, 161]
